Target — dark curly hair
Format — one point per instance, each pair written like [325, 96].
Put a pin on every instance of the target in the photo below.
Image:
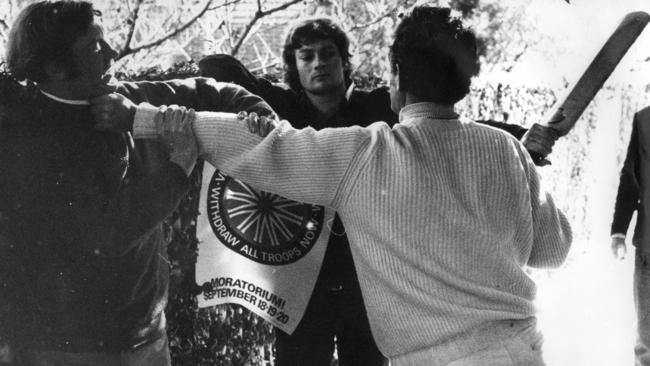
[435, 55]
[45, 32]
[309, 31]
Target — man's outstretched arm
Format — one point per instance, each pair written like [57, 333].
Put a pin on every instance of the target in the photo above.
[305, 165]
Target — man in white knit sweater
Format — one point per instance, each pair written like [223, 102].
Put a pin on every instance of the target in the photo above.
[443, 214]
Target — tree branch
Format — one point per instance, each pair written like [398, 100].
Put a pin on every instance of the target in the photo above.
[133, 18]
[4, 28]
[516, 58]
[128, 50]
[376, 20]
[259, 14]
[280, 7]
[225, 4]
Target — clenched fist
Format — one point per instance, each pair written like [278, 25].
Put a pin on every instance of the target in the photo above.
[113, 112]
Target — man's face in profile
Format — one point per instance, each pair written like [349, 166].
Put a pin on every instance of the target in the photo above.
[93, 58]
[320, 67]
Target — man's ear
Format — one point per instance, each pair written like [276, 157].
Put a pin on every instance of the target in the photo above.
[54, 71]
[393, 78]
[397, 85]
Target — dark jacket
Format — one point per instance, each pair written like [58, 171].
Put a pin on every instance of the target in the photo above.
[634, 184]
[84, 208]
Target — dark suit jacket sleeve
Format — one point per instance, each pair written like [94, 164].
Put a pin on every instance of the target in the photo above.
[627, 198]
[201, 94]
[515, 130]
[224, 68]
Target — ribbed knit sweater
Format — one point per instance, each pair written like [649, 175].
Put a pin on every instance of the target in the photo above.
[442, 214]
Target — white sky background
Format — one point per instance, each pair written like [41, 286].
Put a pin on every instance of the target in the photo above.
[573, 35]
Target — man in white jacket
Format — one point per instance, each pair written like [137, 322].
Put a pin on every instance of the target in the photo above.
[443, 214]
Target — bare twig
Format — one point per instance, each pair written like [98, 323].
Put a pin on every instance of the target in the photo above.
[4, 28]
[131, 21]
[376, 20]
[259, 14]
[280, 7]
[225, 4]
[128, 50]
[516, 58]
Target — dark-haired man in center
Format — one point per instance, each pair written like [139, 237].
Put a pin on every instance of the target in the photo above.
[317, 69]
[457, 209]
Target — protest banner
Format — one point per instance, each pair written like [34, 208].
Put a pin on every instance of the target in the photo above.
[258, 249]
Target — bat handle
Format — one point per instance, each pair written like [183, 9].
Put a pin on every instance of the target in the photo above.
[539, 159]
[539, 138]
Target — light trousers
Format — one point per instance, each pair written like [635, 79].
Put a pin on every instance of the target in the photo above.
[502, 343]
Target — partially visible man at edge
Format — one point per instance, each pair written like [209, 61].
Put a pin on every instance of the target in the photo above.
[82, 208]
[457, 209]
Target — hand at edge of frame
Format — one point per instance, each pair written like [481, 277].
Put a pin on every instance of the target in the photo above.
[113, 112]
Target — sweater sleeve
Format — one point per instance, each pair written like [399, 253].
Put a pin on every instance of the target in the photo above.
[303, 165]
[627, 198]
[552, 234]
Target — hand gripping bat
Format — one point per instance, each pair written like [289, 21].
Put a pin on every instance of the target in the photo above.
[594, 77]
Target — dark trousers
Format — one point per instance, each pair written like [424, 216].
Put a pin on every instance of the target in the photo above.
[335, 311]
[642, 302]
[331, 313]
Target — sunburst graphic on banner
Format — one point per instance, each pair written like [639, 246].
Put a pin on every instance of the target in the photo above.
[261, 226]
[263, 218]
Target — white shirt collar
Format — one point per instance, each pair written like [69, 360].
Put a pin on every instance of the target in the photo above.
[65, 101]
[348, 92]
[417, 111]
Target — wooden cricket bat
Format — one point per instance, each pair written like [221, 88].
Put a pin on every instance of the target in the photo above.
[599, 70]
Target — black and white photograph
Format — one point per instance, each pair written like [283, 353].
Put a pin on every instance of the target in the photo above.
[324, 183]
